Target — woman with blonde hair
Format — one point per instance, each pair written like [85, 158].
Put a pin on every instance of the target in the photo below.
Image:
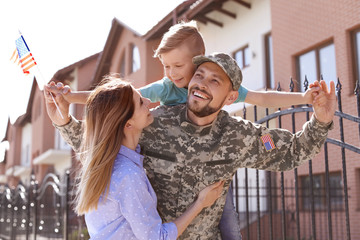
[114, 192]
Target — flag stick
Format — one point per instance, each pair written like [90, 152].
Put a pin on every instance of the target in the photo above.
[41, 88]
[57, 107]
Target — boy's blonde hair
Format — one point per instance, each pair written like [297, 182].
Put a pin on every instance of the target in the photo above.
[182, 33]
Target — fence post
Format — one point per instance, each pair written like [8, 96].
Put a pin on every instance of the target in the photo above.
[66, 203]
[2, 208]
[35, 184]
[327, 190]
[13, 205]
[270, 204]
[28, 211]
[341, 125]
[283, 214]
[357, 93]
[311, 178]
[247, 192]
[295, 172]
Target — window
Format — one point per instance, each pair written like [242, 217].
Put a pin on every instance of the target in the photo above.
[4, 147]
[36, 108]
[25, 156]
[319, 188]
[319, 61]
[135, 59]
[270, 81]
[243, 57]
[357, 54]
[122, 65]
[26, 139]
[60, 143]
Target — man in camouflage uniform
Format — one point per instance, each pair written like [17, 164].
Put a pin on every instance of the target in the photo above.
[188, 147]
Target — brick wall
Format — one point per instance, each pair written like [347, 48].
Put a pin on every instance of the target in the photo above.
[297, 27]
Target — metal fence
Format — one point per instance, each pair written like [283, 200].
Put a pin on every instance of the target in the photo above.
[271, 206]
[289, 208]
[40, 211]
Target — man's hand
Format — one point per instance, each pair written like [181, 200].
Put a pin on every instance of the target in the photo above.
[51, 109]
[324, 104]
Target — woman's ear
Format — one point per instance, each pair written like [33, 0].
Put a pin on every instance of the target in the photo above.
[128, 125]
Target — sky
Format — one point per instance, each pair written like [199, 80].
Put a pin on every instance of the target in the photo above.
[60, 33]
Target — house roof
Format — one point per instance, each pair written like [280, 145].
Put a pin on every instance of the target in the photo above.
[63, 73]
[6, 137]
[170, 19]
[104, 61]
[26, 117]
[193, 10]
[200, 8]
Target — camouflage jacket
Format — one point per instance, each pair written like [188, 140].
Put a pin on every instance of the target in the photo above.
[182, 158]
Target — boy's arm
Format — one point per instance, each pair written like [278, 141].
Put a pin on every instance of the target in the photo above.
[79, 97]
[280, 99]
[154, 91]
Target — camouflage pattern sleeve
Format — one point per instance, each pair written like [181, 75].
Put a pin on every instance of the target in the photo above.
[71, 133]
[280, 150]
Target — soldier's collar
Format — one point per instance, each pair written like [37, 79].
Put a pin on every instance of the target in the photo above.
[193, 129]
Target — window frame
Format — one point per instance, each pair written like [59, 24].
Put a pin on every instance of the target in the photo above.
[355, 57]
[269, 71]
[37, 108]
[242, 49]
[317, 50]
[132, 69]
[322, 204]
[122, 64]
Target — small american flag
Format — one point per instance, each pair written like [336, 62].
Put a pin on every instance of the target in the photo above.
[22, 55]
[268, 142]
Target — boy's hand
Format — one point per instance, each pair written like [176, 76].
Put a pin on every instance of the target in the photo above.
[312, 92]
[65, 90]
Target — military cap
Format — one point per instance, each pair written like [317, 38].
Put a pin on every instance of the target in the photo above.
[227, 63]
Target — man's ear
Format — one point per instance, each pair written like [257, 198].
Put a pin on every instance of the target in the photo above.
[232, 96]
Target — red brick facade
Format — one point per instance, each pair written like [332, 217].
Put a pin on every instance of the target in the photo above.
[297, 27]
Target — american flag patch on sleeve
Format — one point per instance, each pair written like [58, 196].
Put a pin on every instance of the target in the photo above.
[268, 142]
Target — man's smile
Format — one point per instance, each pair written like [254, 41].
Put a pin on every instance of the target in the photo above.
[200, 95]
[196, 92]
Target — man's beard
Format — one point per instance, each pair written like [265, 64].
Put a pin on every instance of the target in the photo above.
[204, 111]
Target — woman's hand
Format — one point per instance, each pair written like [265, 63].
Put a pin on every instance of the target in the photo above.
[52, 92]
[206, 198]
[210, 194]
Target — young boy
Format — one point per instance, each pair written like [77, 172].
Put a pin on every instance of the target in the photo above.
[178, 46]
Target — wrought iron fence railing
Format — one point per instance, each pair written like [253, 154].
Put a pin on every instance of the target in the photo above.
[40, 211]
[308, 211]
